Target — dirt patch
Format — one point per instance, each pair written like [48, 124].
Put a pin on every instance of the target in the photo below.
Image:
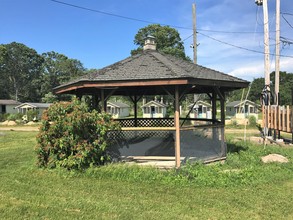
[19, 128]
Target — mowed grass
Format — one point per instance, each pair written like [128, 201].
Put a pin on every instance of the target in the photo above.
[242, 188]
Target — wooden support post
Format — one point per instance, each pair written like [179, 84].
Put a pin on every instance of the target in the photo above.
[223, 145]
[135, 110]
[276, 118]
[177, 128]
[269, 117]
[214, 106]
[283, 119]
[95, 102]
[223, 110]
[279, 118]
[291, 118]
[263, 117]
[134, 100]
[79, 96]
[288, 119]
[103, 100]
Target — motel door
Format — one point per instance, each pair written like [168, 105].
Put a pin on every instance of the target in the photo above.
[153, 111]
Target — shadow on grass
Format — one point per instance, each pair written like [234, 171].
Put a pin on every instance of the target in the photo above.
[235, 148]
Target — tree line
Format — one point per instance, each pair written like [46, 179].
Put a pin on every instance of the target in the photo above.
[285, 94]
[27, 76]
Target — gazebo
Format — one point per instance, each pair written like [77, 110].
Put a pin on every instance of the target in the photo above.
[154, 73]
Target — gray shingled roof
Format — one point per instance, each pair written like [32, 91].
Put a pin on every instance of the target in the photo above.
[155, 103]
[9, 102]
[236, 103]
[118, 104]
[153, 65]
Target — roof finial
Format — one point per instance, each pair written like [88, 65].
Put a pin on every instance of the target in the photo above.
[150, 43]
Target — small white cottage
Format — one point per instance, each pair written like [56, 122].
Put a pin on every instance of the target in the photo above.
[201, 110]
[29, 106]
[8, 106]
[154, 109]
[118, 109]
[242, 109]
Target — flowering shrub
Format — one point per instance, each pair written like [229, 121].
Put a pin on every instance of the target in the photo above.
[72, 137]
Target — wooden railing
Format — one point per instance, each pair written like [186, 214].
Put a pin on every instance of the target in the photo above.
[278, 118]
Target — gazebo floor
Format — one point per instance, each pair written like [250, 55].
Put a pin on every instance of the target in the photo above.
[163, 163]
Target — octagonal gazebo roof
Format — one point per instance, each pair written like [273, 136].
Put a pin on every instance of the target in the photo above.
[150, 70]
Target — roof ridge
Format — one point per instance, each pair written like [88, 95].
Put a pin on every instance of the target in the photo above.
[161, 57]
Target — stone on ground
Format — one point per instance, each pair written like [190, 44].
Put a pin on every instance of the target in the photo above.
[274, 158]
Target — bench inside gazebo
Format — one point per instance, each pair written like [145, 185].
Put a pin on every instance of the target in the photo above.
[175, 139]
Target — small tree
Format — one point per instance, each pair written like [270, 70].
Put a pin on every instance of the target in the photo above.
[167, 40]
[72, 137]
[252, 121]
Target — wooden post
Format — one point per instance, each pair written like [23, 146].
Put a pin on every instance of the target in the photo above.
[279, 117]
[288, 118]
[223, 145]
[194, 34]
[177, 129]
[263, 116]
[103, 100]
[135, 110]
[284, 118]
[266, 43]
[223, 110]
[277, 59]
[214, 106]
[292, 122]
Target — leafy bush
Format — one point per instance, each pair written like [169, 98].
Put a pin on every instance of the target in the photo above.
[252, 121]
[4, 116]
[72, 137]
[14, 117]
[32, 114]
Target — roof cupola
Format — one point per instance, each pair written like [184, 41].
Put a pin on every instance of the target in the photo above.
[149, 43]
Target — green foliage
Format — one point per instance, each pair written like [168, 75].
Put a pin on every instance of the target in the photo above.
[58, 69]
[3, 117]
[49, 98]
[21, 70]
[72, 137]
[29, 76]
[286, 82]
[167, 39]
[252, 121]
[32, 115]
[14, 117]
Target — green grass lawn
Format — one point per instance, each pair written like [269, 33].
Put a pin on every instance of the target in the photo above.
[242, 188]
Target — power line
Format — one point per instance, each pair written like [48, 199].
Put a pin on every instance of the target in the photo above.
[286, 20]
[149, 22]
[286, 13]
[179, 27]
[240, 47]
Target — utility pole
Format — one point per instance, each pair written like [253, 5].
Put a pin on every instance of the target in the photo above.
[277, 64]
[194, 34]
[266, 90]
[195, 97]
[264, 3]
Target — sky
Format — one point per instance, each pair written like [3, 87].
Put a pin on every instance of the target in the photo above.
[230, 32]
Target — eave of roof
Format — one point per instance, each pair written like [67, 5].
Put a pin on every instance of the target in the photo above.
[35, 105]
[154, 102]
[9, 102]
[118, 104]
[152, 68]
